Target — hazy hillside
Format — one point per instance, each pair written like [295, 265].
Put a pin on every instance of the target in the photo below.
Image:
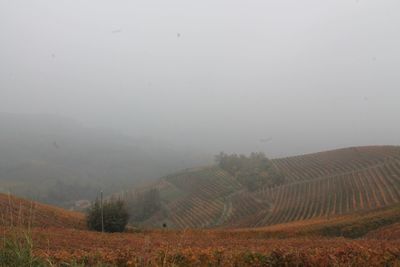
[56, 160]
[366, 206]
[321, 185]
[21, 212]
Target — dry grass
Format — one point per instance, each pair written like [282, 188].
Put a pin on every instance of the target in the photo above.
[18, 211]
[209, 248]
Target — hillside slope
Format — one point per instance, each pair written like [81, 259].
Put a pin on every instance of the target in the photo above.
[374, 224]
[59, 161]
[20, 212]
[321, 185]
[390, 232]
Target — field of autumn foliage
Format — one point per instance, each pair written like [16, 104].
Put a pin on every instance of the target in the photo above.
[62, 246]
[59, 238]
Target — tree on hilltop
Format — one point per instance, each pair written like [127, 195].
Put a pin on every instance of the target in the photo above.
[252, 171]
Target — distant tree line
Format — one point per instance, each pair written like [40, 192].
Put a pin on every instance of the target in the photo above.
[252, 171]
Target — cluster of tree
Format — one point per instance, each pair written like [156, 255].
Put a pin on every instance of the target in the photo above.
[110, 216]
[253, 171]
[143, 204]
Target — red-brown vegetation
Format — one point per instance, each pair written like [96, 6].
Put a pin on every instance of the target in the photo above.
[18, 211]
[207, 247]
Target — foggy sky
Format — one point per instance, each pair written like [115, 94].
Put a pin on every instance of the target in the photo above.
[283, 77]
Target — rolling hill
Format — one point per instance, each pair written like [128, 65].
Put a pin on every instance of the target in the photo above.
[322, 185]
[16, 211]
[295, 223]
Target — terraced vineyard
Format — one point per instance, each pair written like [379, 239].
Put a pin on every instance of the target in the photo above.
[321, 185]
[371, 188]
[298, 222]
[194, 198]
[322, 164]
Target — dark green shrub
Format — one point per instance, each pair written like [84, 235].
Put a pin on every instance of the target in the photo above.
[115, 216]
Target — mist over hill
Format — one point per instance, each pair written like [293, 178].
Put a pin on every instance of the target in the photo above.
[59, 161]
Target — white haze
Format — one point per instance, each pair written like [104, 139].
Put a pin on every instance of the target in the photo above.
[283, 77]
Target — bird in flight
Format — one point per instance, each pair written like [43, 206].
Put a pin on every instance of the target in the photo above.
[56, 145]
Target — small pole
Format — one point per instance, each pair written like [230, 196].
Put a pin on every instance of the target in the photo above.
[101, 208]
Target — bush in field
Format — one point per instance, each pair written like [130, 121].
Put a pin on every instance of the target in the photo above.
[253, 171]
[115, 216]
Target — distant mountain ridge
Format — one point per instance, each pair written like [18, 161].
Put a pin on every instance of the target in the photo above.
[319, 185]
[59, 161]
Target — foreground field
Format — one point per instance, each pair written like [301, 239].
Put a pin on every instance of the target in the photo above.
[58, 238]
[208, 248]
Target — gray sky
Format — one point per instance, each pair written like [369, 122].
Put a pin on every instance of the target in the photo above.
[216, 75]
